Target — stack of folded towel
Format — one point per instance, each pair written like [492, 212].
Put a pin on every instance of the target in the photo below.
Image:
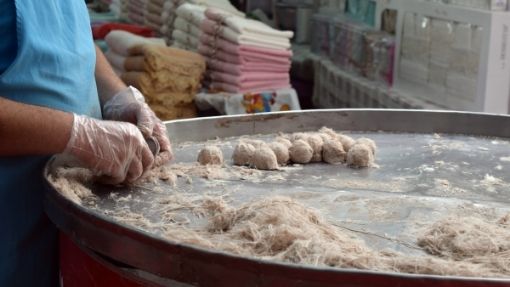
[223, 5]
[120, 9]
[169, 78]
[167, 18]
[244, 55]
[120, 43]
[153, 15]
[187, 31]
[136, 11]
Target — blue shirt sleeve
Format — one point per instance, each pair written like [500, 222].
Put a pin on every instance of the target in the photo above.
[9, 42]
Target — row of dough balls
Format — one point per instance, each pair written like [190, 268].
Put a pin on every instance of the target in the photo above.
[302, 148]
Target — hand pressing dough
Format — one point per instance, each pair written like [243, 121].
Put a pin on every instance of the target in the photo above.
[360, 155]
[264, 158]
[315, 141]
[347, 141]
[210, 155]
[333, 152]
[370, 143]
[243, 153]
[281, 151]
[301, 152]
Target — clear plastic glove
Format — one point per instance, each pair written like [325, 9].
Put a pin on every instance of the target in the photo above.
[129, 106]
[115, 151]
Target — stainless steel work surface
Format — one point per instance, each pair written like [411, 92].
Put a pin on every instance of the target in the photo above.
[430, 165]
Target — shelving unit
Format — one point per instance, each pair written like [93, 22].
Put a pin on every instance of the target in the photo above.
[461, 61]
[491, 84]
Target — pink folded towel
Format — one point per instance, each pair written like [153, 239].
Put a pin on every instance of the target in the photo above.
[136, 18]
[140, 4]
[136, 8]
[239, 69]
[240, 54]
[243, 58]
[250, 77]
[232, 47]
[252, 88]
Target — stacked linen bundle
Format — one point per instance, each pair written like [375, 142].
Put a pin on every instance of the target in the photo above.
[153, 15]
[244, 31]
[223, 5]
[187, 31]
[120, 44]
[244, 55]
[168, 78]
[136, 11]
[168, 17]
[120, 9]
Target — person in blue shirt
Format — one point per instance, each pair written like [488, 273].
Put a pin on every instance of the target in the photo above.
[58, 94]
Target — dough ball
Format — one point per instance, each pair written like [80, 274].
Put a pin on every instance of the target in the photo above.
[301, 152]
[210, 155]
[360, 155]
[284, 141]
[243, 153]
[299, 136]
[315, 141]
[255, 143]
[329, 132]
[284, 135]
[347, 141]
[370, 143]
[326, 137]
[264, 158]
[333, 152]
[281, 151]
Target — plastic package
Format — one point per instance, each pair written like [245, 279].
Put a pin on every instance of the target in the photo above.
[337, 88]
[362, 10]
[321, 38]
[441, 55]
[363, 50]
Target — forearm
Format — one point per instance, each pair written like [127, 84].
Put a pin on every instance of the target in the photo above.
[32, 130]
[108, 83]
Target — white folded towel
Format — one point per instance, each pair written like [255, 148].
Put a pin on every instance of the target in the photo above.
[224, 5]
[121, 41]
[262, 41]
[116, 60]
[187, 27]
[243, 25]
[183, 37]
[191, 12]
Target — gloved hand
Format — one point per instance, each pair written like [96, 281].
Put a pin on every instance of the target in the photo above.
[129, 106]
[114, 150]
